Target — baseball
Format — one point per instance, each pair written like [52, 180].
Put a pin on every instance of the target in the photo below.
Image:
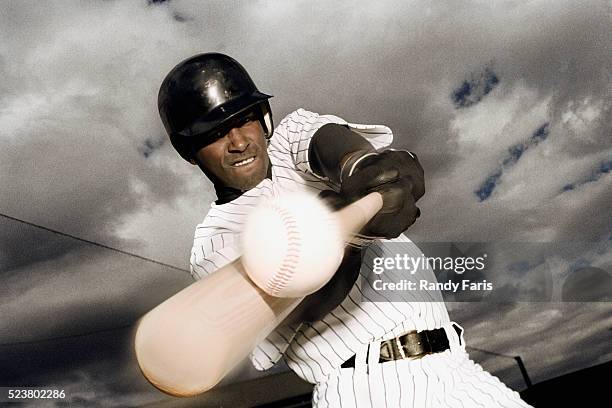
[291, 245]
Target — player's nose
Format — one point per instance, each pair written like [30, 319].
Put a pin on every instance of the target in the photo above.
[238, 142]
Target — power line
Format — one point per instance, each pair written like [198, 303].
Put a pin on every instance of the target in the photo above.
[121, 251]
[64, 234]
[493, 353]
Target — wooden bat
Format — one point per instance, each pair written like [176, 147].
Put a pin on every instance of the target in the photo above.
[188, 343]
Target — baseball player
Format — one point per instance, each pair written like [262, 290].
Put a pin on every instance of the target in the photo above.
[356, 352]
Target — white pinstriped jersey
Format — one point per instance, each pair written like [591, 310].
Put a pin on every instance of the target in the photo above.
[315, 351]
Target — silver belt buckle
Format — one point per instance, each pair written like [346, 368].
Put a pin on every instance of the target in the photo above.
[414, 356]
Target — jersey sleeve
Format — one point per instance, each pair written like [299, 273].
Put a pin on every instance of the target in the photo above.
[214, 248]
[293, 135]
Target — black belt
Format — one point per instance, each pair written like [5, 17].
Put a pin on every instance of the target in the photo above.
[411, 345]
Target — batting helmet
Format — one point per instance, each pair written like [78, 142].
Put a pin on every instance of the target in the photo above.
[202, 97]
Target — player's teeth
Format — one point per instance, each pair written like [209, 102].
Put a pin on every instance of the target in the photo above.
[242, 163]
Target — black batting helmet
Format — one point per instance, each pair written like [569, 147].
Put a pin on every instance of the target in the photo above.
[205, 94]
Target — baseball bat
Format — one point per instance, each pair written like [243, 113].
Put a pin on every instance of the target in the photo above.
[188, 343]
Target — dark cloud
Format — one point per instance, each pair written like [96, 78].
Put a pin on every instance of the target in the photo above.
[588, 284]
[22, 244]
[95, 370]
[538, 332]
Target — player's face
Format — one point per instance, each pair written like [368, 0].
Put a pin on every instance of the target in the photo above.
[240, 158]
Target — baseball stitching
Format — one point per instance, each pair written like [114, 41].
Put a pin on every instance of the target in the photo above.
[287, 268]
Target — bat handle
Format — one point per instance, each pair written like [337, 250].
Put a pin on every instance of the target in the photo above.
[354, 216]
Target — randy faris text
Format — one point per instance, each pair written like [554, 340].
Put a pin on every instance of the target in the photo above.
[424, 284]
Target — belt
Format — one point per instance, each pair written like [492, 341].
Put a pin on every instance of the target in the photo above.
[411, 346]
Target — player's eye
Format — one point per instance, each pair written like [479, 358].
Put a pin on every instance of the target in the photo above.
[248, 119]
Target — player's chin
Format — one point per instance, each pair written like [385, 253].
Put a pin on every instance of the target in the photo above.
[247, 177]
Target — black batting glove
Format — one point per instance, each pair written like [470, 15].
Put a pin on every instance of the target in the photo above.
[398, 176]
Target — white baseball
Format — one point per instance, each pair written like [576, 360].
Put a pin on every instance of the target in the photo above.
[291, 245]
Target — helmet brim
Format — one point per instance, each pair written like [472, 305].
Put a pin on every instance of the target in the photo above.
[224, 114]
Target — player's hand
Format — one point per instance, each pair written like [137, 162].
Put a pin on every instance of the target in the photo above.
[399, 177]
[333, 200]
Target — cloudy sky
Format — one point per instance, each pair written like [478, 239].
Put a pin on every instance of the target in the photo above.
[507, 103]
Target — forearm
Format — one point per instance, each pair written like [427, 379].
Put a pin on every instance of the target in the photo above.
[330, 147]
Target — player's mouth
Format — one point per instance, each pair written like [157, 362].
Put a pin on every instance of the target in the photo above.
[244, 162]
